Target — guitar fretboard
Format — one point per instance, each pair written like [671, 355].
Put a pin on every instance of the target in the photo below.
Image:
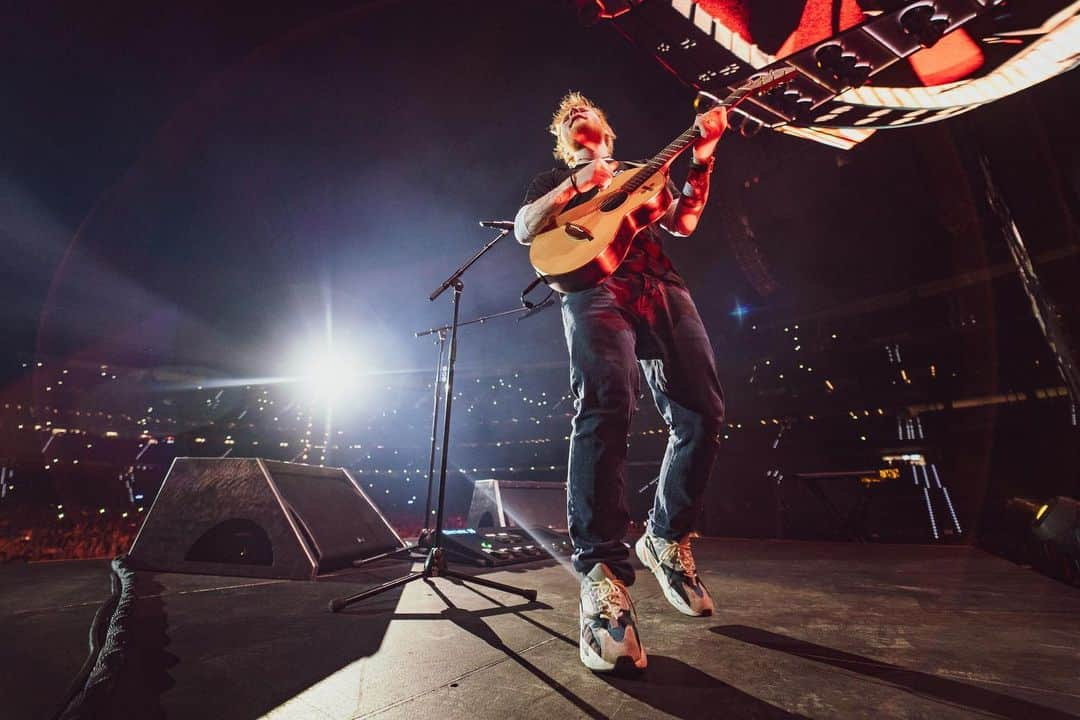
[684, 141]
[661, 159]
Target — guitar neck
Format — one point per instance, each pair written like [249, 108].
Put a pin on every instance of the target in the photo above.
[662, 158]
[679, 144]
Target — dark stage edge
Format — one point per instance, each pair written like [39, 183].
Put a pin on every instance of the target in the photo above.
[822, 630]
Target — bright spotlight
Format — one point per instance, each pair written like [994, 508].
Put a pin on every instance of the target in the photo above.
[330, 375]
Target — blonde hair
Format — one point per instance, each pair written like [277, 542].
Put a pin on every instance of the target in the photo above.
[564, 146]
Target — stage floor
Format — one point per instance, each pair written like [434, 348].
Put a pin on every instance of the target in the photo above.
[803, 629]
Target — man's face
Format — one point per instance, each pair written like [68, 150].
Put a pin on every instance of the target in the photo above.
[581, 126]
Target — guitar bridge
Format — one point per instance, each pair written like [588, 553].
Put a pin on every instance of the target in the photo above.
[578, 232]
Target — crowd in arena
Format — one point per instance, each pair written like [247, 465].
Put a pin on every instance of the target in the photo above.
[39, 535]
[84, 447]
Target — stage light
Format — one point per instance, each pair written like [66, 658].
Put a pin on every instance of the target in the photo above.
[924, 24]
[328, 375]
[1056, 522]
[844, 67]
[790, 102]
[747, 126]
[331, 373]
[1044, 535]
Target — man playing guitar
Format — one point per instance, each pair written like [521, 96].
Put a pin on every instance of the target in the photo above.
[641, 313]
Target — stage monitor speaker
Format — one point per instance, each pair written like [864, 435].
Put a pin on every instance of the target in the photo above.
[259, 518]
[518, 503]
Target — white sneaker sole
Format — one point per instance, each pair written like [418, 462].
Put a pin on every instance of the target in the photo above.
[673, 598]
[594, 662]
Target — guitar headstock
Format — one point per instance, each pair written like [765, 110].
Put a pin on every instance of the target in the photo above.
[757, 83]
[761, 82]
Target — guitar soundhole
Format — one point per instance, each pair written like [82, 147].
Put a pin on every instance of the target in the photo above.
[614, 201]
[578, 232]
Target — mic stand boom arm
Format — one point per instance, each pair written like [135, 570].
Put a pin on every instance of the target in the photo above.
[455, 277]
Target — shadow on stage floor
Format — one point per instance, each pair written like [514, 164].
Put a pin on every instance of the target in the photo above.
[802, 630]
[668, 685]
[248, 647]
[926, 685]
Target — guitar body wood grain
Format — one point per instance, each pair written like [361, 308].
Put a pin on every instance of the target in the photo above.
[588, 242]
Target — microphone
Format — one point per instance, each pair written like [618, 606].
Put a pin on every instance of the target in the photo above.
[498, 224]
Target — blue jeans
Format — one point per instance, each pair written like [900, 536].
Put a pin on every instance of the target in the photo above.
[609, 330]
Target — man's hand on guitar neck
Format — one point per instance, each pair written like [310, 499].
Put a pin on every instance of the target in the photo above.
[597, 173]
[683, 215]
[710, 126]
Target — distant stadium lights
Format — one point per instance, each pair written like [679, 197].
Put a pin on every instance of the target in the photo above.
[912, 458]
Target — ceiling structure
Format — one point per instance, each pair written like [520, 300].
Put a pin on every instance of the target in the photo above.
[864, 65]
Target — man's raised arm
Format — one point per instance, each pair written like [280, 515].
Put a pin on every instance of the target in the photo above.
[683, 215]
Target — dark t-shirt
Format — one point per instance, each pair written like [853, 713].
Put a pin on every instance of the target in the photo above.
[646, 253]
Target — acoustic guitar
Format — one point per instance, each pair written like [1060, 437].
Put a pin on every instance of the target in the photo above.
[588, 242]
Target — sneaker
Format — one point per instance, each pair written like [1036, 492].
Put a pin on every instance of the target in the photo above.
[673, 565]
[609, 636]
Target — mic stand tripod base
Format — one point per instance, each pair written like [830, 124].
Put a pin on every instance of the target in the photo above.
[382, 556]
[434, 566]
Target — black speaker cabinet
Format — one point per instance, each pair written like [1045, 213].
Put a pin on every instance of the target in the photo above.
[259, 518]
[518, 503]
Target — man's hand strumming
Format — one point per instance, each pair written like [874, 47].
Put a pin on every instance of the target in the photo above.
[598, 173]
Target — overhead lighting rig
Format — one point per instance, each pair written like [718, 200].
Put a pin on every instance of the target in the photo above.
[925, 23]
[844, 67]
[711, 45]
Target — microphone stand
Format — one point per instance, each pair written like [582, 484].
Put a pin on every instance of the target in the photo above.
[435, 564]
[441, 331]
